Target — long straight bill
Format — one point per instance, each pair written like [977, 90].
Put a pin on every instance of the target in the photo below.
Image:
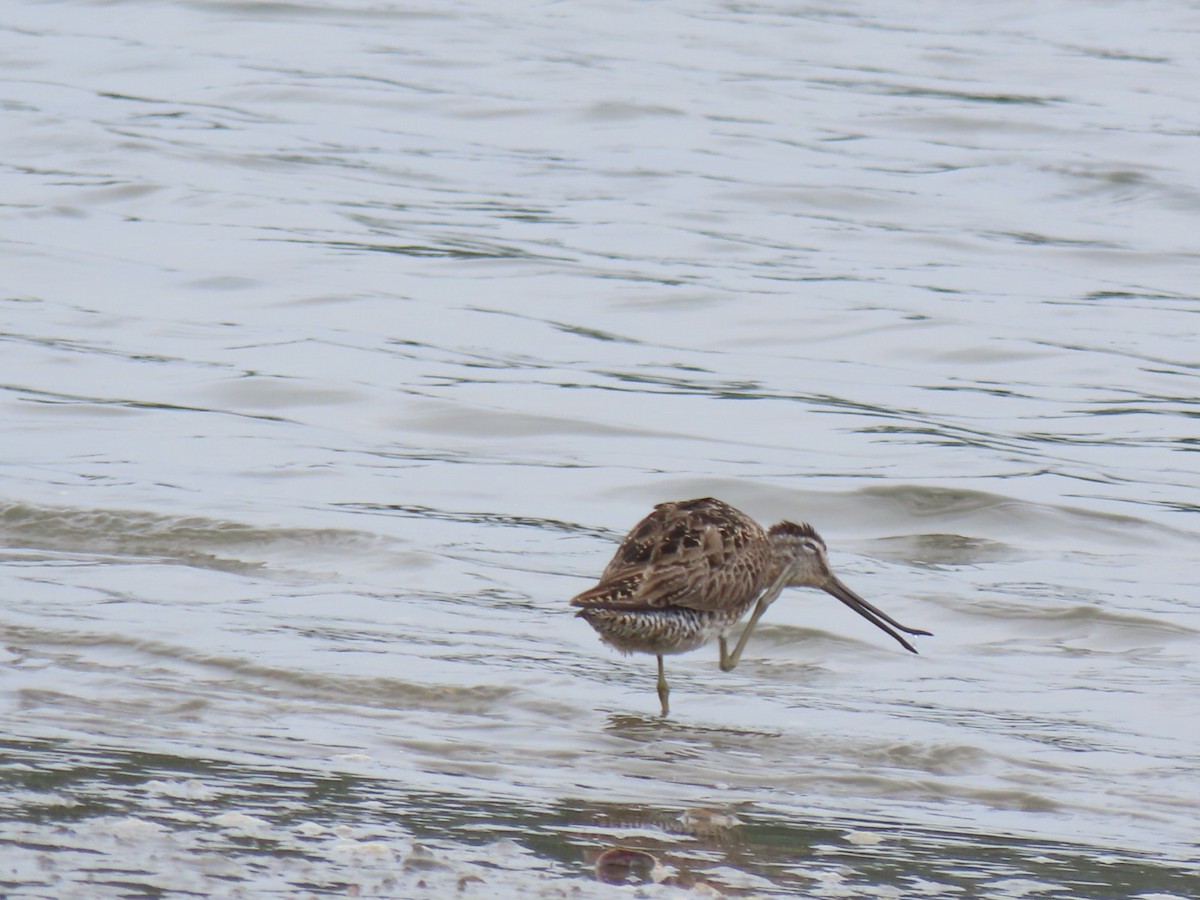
[876, 617]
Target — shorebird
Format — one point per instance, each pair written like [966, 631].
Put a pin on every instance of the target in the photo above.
[690, 570]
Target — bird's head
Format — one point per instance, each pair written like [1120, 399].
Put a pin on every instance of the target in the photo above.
[799, 560]
[799, 555]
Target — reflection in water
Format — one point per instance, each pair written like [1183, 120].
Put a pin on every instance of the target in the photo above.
[652, 728]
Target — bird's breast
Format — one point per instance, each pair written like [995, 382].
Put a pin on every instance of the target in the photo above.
[660, 631]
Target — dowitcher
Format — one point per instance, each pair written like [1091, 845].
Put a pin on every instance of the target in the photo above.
[690, 570]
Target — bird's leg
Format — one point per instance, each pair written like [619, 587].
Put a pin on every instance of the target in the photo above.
[729, 660]
[663, 691]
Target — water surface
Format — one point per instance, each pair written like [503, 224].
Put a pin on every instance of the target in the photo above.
[341, 341]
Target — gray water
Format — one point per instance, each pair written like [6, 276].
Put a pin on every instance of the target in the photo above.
[342, 340]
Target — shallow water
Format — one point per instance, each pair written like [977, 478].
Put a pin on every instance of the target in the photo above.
[341, 342]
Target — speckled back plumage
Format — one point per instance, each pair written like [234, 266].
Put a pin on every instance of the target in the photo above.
[694, 554]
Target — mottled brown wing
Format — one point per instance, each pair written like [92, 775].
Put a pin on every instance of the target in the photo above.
[699, 554]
